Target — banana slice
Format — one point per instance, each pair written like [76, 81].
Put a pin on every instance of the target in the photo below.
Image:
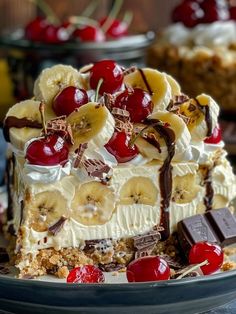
[185, 188]
[92, 122]
[28, 109]
[156, 147]
[174, 85]
[93, 203]
[138, 190]
[197, 119]
[154, 82]
[52, 80]
[46, 208]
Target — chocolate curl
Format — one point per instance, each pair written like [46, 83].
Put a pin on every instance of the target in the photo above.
[96, 168]
[60, 125]
[108, 101]
[121, 114]
[124, 126]
[56, 228]
[180, 99]
[80, 151]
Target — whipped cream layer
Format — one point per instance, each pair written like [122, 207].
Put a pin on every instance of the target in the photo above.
[130, 219]
[220, 33]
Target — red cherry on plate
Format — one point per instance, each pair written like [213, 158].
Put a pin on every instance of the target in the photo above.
[137, 102]
[85, 274]
[117, 28]
[55, 34]
[202, 251]
[110, 72]
[68, 100]
[148, 268]
[35, 28]
[188, 12]
[50, 150]
[216, 136]
[119, 147]
[89, 33]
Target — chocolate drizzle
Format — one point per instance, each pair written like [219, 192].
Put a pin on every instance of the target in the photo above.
[206, 111]
[165, 177]
[208, 199]
[56, 228]
[145, 82]
[14, 122]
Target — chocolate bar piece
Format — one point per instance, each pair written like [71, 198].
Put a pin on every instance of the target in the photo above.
[215, 226]
[224, 225]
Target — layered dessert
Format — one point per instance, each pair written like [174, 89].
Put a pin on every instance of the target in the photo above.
[104, 162]
[199, 49]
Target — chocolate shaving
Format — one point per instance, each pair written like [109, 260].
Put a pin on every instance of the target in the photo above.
[3, 255]
[111, 267]
[180, 99]
[60, 125]
[174, 262]
[56, 228]
[108, 101]
[4, 270]
[96, 168]
[145, 243]
[120, 113]
[124, 126]
[129, 70]
[80, 151]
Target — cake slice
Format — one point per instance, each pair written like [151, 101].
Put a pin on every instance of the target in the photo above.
[104, 162]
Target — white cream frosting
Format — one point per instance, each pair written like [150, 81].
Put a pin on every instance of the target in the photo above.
[45, 174]
[210, 35]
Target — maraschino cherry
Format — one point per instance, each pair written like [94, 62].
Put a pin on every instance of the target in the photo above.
[116, 29]
[111, 74]
[85, 274]
[210, 255]
[89, 33]
[216, 136]
[119, 147]
[35, 29]
[148, 268]
[53, 34]
[50, 150]
[137, 102]
[68, 100]
[214, 10]
[188, 12]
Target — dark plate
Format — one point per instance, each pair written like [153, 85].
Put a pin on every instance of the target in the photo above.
[178, 296]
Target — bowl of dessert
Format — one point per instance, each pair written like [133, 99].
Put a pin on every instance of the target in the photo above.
[76, 40]
[199, 49]
[119, 196]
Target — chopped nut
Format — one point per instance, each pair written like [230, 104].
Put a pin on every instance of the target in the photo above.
[63, 272]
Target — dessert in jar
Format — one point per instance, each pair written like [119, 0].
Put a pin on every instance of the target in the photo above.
[199, 49]
[104, 162]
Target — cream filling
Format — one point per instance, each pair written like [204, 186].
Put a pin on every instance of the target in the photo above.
[127, 220]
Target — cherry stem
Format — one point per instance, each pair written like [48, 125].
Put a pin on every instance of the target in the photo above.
[42, 110]
[113, 13]
[128, 17]
[82, 20]
[89, 10]
[47, 10]
[97, 89]
[193, 268]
